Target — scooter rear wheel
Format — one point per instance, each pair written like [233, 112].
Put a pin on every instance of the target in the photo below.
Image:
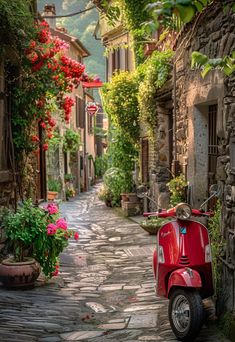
[185, 313]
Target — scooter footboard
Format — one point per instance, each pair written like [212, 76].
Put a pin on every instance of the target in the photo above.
[184, 277]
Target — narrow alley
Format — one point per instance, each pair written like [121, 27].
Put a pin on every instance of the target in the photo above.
[105, 290]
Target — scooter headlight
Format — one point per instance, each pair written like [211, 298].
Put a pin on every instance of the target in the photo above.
[183, 211]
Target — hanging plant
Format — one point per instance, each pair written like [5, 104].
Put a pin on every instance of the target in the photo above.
[72, 140]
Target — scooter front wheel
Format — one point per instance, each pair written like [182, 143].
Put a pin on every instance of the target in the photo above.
[185, 313]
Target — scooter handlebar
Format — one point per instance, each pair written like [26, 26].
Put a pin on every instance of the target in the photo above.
[172, 212]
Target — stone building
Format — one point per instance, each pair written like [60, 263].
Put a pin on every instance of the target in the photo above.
[204, 127]
[200, 114]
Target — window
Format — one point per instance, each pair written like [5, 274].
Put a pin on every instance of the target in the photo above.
[80, 112]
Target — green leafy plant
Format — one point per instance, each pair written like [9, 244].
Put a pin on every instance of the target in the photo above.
[54, 185]
[70, 192]
[72, 140]
[217, 245]
[68, 177]
[105, 195]
[177, 187]
[117, 181]
[101, 165]
[39, 233]
[154, 74]
[199, 60]
[121, 104]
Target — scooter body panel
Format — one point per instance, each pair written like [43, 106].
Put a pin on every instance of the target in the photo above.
[184, 277]
[184, 245]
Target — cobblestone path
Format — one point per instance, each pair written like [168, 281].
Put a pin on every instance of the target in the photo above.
[105, 291]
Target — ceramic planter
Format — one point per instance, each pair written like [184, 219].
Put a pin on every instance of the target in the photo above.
[19, 274]
[52, 195]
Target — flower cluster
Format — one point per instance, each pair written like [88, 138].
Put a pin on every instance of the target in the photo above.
[39, 231]
[48, 75]
[57, 233]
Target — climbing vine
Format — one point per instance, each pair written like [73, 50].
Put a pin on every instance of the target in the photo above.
[121, 104]
[16, 22]
[157, 69]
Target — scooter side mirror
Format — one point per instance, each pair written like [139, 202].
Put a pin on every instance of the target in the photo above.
[142, 191]
[213, 190]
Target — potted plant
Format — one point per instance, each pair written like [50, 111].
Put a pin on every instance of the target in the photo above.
[153, 224]
[70, 192]
[68, 178]
[36, 236]
[54, 187]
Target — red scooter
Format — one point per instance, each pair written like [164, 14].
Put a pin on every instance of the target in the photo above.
[182, 265]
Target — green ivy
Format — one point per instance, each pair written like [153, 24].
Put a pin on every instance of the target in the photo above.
[217, 244]
[121, 104]
[156, 69]
[199, 60]
[16, 22]
[72, 140]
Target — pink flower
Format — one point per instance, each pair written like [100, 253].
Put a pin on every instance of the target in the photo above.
[51, 229]
[52, 208]
[62, 224]
[76, 236]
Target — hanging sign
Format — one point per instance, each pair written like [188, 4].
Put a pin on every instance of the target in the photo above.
[92, 108]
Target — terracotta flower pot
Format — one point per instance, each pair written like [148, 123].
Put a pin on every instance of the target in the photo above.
[124, 197]
[52, 195]
[19, 274]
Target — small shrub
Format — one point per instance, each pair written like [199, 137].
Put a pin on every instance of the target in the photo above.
[117, 181]
[177, 187]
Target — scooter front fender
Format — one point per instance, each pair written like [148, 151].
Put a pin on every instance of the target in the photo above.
[184, 277]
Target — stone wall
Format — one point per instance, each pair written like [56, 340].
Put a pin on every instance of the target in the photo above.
[212, 33]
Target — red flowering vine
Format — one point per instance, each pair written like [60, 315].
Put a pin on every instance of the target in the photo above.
[48, 76]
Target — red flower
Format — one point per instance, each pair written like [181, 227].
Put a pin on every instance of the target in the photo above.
[76, 236]
[35, 138]
[45, 147]
[43, 125]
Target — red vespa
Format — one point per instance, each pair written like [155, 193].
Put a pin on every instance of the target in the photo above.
[182, 265]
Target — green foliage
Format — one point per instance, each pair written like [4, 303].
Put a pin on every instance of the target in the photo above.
[55, 141]
[165, 12]
[54, 185]
[117, 181]
[156, 69]
[121, 152]
[101, 165]
[105, 195]
[154, 222]
[227, 63]
[217, 244]
[16, 22]
[121, 103]
[24, 227]
[27, 231]
[177, 187]
[68, 177]
[71, 141]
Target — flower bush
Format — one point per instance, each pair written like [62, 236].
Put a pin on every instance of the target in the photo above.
[40, 233]
[47, 76]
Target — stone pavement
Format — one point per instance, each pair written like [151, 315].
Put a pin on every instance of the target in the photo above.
[105, 291]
